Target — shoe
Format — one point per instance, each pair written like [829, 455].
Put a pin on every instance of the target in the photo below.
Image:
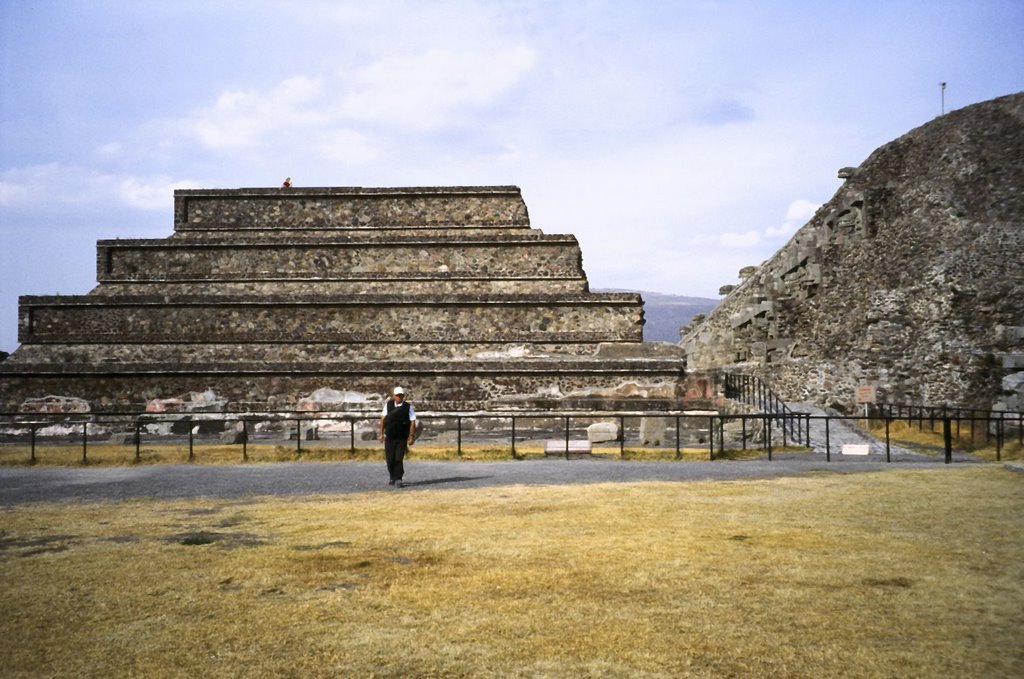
[401, 484]
[391, 482]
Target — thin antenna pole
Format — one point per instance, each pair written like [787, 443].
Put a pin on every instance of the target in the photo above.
[942, 88]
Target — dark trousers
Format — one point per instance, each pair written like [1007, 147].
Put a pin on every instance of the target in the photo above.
[394, 453]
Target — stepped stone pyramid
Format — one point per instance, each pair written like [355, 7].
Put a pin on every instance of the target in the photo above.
[269, 298]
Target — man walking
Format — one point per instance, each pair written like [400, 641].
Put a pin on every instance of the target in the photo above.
[397, 431]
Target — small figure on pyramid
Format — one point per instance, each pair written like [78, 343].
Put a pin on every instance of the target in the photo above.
[287, 183]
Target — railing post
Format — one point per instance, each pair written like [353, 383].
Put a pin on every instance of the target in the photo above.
[947, 438]
[513, 436]
[743, 420]
[999, 438]
[679, 454]
[711, 436]
[458, 426]
[298, 435]
[887, 457]
[32, 442]
[245, 440]
[828, 445]
[352, 438]
[138, 441]
[567, 437]
[85, 442]
[768, 429]
[721, 434]
[191, 453]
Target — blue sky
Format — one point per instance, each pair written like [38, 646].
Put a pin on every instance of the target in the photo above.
[679, 141]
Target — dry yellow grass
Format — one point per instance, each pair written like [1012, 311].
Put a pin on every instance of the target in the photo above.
[928, 439]
[901, 573]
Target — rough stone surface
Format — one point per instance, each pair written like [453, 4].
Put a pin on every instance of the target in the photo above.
[908, 279]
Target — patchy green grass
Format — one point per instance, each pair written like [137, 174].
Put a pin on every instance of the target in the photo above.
[897, 573]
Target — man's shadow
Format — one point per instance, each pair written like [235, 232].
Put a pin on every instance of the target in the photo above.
[447, 479]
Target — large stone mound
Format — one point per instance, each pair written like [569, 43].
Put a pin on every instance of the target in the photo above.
[910, 279]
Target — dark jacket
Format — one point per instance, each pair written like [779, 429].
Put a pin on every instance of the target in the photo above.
[396, 423]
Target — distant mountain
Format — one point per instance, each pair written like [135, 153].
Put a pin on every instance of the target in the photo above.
[665, 314]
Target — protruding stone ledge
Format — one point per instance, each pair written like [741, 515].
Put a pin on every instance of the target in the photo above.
[199, 260]
[625, 299]
[534, 366]
[348, 207]
[274, 318]
[346, 287]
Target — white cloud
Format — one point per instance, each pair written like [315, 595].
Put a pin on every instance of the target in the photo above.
[431, 90]
[155, 194]
[349, 147]
[799, 213]
[55, 187]
[747, 239]
[112, 151]
[801, 210]
[23, 186]
[12, 194]
[245, 118]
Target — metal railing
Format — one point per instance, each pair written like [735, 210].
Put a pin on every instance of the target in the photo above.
[752, 390]
[998, 422]
[683, 430]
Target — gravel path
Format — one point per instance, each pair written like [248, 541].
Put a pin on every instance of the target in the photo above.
[296, 479]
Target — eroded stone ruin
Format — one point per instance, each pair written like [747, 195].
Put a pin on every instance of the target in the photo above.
[910, 279]
[263, 299]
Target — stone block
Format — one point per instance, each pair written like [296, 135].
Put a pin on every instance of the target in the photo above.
[232, 436]
[122, 438]
[309, 433]
[602, 432]
[366, 433]
[653, 430]
[571, 449]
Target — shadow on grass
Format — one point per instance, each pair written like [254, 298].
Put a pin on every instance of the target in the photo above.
[447, 479]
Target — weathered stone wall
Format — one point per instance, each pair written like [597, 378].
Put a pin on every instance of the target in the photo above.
[502, 257]
[266, 353]
[607, 317]
[272, 210]
[909, 279]
[467, 385]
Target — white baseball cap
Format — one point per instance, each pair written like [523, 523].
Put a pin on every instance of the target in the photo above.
[398, 390]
